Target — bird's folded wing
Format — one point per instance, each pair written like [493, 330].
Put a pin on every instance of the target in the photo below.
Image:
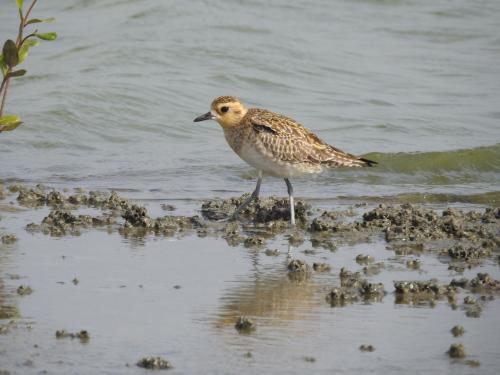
[289, 141]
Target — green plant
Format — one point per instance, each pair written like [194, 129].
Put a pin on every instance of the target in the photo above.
[14, 53]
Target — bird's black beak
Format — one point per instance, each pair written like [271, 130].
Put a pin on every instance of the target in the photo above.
[206, 116]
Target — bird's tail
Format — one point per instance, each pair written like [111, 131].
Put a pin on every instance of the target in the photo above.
[367, 163]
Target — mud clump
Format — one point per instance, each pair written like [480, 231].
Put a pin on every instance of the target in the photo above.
[330, 221]
[468, 253]
[260, 211]
[413, 264]
[353, 289]
[8, 239]
[82, 335]
[254, 241]
[24, 290]
[272, 252]
[483, 282]
[137, 216]
[457, 331]
[414, 292]
[60, 223]
[371, 291]
[31, 197]
[298, 270]
[367, 348]
[409, 222]
[244, 325]
[457, 351]
[55, 198]
[349, 279]
[364, 259]
[154, 363]
[339, 297]
[325, 243]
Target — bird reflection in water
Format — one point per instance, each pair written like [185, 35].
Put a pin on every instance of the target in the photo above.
[271, 292]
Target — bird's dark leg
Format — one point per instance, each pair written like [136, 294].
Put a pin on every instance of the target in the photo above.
[290, 197]
[255, 195]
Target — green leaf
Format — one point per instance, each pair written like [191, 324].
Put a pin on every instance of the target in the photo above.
[8, 123]
[10, 54]
[20, 4]
[23, 51]
[3, 65]
[38, 20]
[46, 36]
[17, 73]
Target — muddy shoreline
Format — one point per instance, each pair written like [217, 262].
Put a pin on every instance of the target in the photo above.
[463, 240]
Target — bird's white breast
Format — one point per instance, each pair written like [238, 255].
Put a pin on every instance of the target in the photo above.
[269, 165]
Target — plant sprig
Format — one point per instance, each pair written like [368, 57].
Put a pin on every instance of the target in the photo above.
[14, 53]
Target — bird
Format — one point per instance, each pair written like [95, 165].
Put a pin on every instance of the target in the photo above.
[275, 145]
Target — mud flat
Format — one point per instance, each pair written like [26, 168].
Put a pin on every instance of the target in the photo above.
[346, 280]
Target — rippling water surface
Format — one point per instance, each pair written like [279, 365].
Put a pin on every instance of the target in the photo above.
[111, 103]
[415, 85]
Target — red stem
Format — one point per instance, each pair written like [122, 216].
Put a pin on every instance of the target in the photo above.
[29, 10]
[4, 96]
[19, 42]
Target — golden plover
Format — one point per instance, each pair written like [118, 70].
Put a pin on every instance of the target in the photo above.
[275, 144]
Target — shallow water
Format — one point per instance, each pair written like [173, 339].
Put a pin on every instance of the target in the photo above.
[109, 105]
[179, 298]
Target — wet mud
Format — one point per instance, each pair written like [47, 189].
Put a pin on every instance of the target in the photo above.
[462, 240]
[154, 363]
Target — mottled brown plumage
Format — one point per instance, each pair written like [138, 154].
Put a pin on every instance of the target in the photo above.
[276, 144]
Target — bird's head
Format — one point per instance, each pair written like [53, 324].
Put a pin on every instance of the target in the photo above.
[226, 110]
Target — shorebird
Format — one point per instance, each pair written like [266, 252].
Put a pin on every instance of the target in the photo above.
[275, 145]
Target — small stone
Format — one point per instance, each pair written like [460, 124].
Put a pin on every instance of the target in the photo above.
[8, 239]
[413, 264]
[244, 325]
[298, 270]
[309, 359]
[457, 331]
[83, 335]
[457, 351]
[254, 241]
[272, 252]
[154, 363]
[75, 281]
[364, 259]
[367, 348]
[341, 297]
[468, 300]
[24, 290]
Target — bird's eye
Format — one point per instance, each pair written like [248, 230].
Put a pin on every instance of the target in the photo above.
[224, 109]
